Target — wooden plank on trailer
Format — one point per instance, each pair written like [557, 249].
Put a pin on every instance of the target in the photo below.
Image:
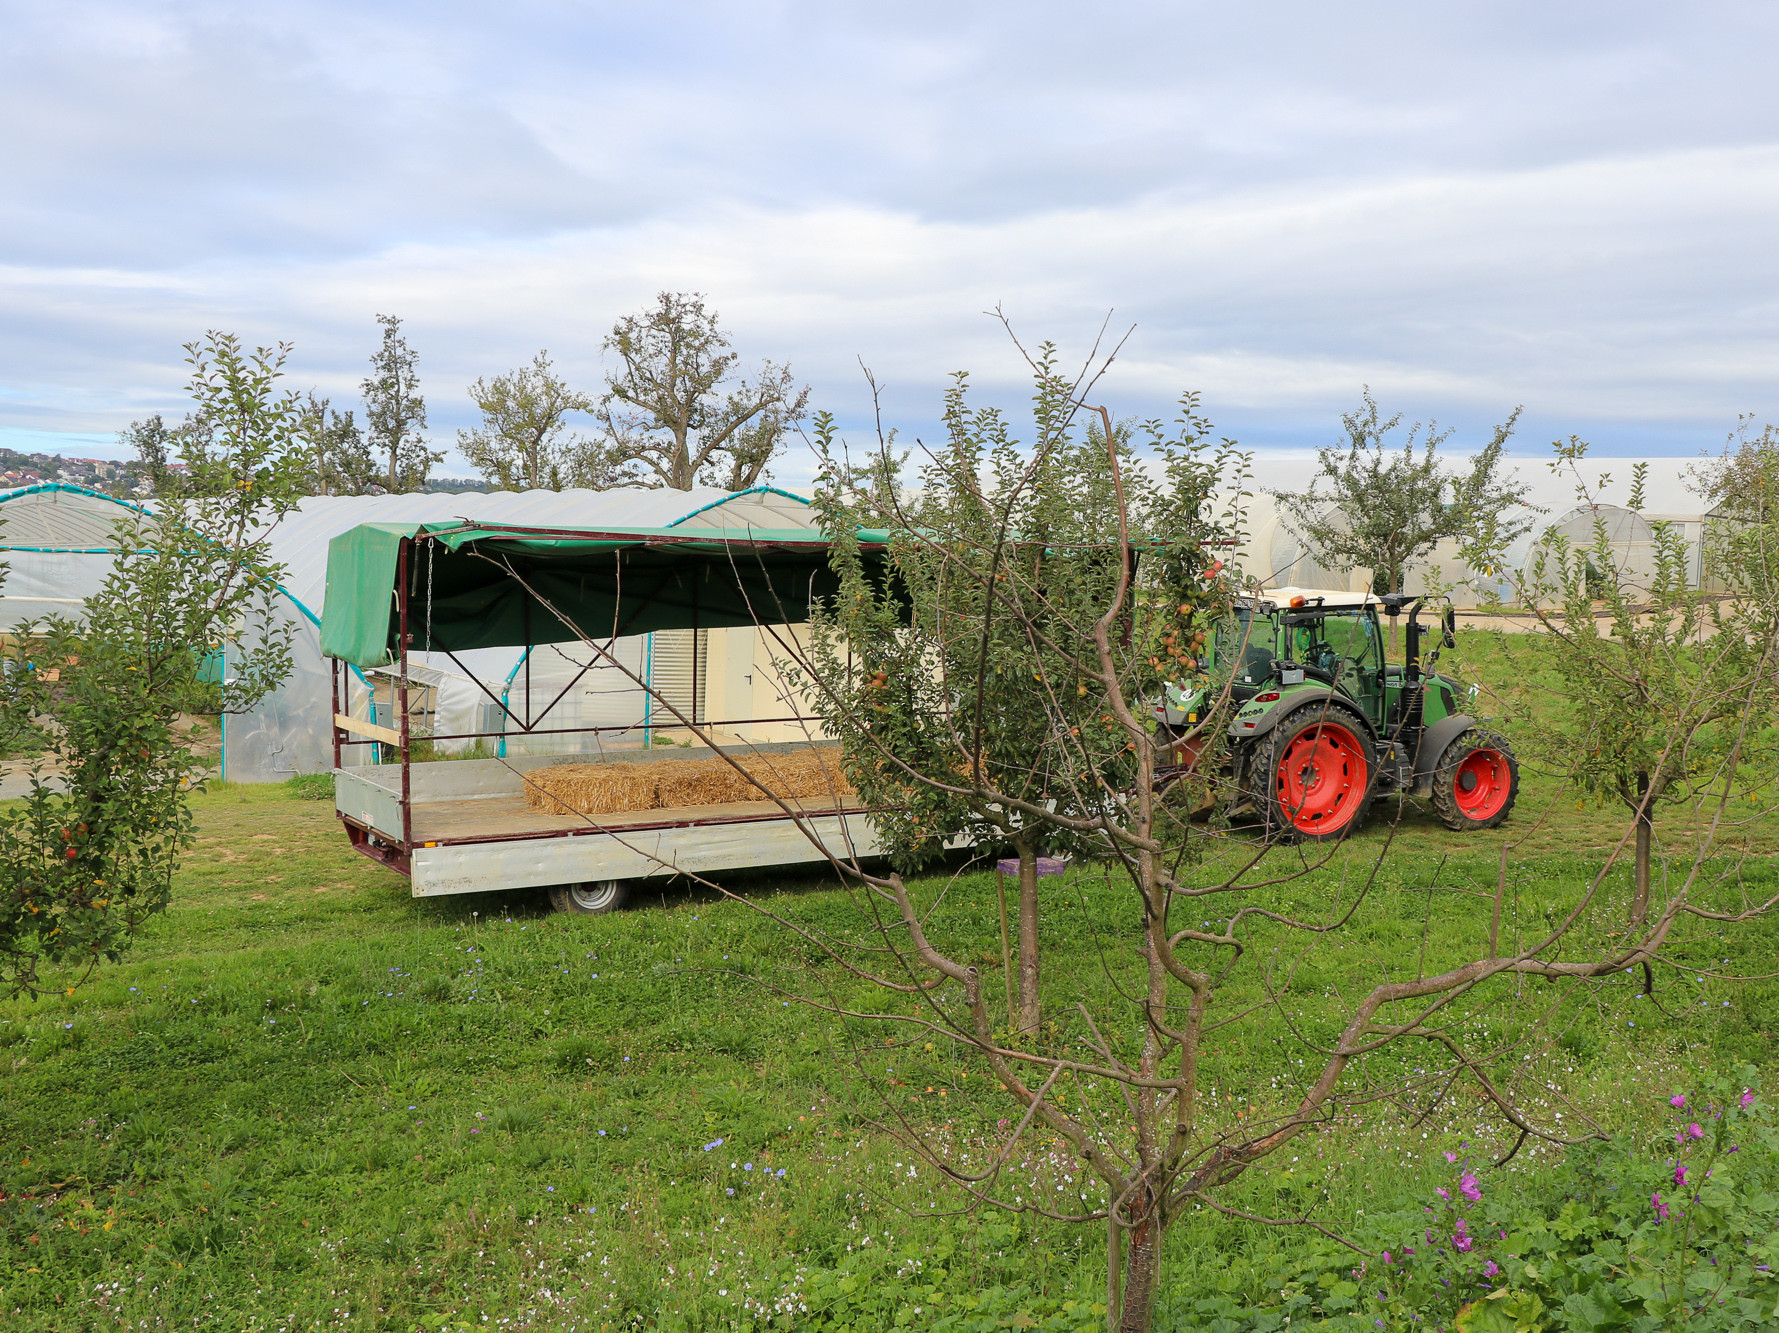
[369, 730]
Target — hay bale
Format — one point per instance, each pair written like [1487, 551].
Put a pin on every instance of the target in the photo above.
[594, 789]
[701, 782]
[605, 789]
[806, 773]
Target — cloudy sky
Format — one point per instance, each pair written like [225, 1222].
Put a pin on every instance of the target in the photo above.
[1467, 206]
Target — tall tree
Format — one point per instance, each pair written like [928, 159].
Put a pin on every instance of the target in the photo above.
[1382, 509]
[339, 460]
[153, 442]
[673, 414]
[522, 442]
[395, 411]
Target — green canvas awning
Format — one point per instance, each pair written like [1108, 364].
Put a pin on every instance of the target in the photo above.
[465, 590]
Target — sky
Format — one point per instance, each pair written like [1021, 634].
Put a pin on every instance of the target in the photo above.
[1467, 207]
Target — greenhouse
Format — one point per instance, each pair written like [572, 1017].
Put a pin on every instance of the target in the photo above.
[56, 539]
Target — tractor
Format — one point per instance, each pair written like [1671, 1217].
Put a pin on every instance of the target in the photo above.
[1324, 725]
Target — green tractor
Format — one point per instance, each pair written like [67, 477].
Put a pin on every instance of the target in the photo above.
[1324, 725]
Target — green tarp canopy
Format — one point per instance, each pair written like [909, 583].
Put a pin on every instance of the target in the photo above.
[467, 584]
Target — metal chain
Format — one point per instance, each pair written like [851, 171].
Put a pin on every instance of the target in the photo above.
[431, 550]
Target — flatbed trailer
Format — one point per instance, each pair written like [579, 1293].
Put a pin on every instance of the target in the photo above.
[464, 825]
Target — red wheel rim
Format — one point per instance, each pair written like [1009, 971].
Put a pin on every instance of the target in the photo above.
[1322, 779]
[1481, 783]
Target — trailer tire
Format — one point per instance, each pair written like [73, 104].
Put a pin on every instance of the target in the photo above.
[1313, 776]
[593, 898]
[1476, 781]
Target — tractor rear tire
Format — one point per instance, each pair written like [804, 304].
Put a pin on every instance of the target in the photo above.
[1312, 777]
[1476, 781]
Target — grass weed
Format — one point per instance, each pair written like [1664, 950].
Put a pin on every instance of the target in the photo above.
[309, 1101]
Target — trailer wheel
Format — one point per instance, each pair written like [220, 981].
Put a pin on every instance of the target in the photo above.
[593, 898]
[1317, 771]
[1476, 782]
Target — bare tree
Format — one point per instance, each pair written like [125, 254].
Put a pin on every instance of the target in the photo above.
[673, 413]
[522, 442]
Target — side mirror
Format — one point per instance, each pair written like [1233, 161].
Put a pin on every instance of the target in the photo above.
[1451, 627]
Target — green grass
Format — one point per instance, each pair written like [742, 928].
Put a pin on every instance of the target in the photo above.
[310, 1101]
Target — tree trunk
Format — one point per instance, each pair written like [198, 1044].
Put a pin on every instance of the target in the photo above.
[1028, 939]
[1645, 841]
[1142, 1266]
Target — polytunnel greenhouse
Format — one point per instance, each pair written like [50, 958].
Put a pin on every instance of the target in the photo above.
[55, 540]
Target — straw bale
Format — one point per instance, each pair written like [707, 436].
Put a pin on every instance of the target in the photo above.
[807, 773]
[701, 782]
[594, 789]
[601, 789]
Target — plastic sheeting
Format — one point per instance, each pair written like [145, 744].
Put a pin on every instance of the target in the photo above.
[56, 541]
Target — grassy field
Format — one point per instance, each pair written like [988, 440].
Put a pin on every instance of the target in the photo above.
[308, 1101]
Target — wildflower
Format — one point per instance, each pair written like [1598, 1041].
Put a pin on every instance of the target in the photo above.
[1461, 1238]
[1442, 1194]
[1694, 1131]
[1661, 1209]
[1678, 1101]
[1490, 1269]
[1451, 1157]
[1747, 1098]
[1387, 1258]
[1680, 1175]
[1468, 1187]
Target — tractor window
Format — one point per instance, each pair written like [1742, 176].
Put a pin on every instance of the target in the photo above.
[1342, 642]
[1249, 645]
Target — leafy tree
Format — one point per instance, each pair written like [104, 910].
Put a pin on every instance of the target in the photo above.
[1659, 681]
[522, 442]
[339, 461]
[1004, 613]
[673, 415]
[395, 411]
[185, 625]
[153, 442]
[1380, 509]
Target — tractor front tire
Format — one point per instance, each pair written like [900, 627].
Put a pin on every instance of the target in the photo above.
[1312, 777]
[1476, 781]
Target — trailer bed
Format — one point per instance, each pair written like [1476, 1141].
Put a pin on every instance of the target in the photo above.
[469, 829]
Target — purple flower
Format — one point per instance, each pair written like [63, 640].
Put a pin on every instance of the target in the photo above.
[1678, 1101]
[1490, 1269]
[1451, 1157]
[1680, 1175]
[1442, 1194]
[1694, 1130]
[1661, 1209]
[1387, 1258]
[1461, 1238]
[1747, 1098]
[1468, 1187]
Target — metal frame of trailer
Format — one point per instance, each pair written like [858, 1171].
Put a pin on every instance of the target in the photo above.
[463, 825]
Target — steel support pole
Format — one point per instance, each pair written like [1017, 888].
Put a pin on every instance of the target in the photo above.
[401, 696]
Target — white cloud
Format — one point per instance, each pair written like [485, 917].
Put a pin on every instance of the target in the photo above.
[1467, 210]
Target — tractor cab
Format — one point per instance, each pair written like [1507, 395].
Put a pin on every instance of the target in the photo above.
[1324, 723]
